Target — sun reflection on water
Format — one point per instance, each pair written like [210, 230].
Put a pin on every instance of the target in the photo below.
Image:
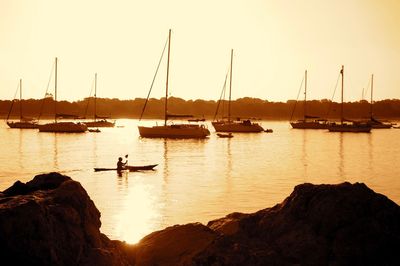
[139, 214]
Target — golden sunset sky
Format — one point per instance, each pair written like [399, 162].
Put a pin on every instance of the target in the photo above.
[274, 41]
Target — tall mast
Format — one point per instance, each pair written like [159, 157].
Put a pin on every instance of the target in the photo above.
[95, 96]
[166, 85]
[341, 106]
[55, 93]
[305, 95]
[20, 99]
[372, 89]
[230, 89]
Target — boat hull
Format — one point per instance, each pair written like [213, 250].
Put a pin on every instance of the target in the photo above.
[101, 123]
[240, 127]
[223, 135]
[182, 131]
[63, 127]
[309, 125]
[380, 125]
[24, 125]
[130, 168]
[350, 128]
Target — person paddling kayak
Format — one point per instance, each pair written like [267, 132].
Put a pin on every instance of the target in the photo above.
[120, 164]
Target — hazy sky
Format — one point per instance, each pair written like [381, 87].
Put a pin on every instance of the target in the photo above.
[274, 41]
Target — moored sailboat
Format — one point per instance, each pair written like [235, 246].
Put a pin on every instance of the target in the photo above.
[229, 125]
[346, 125]
[174, 130]
[375, 123]
[103, 122]
[24, 122]
[306, 123]
[64, 127]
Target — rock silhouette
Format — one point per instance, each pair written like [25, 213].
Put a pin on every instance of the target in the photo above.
[52, 221]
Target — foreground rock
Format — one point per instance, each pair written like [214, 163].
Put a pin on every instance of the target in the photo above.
[316, 225]
[52, 221]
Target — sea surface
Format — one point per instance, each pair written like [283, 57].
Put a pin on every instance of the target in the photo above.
[199, 180]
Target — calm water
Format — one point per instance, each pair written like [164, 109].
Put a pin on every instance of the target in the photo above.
[199, 180]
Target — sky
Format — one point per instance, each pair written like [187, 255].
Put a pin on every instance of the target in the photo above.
[274, 42]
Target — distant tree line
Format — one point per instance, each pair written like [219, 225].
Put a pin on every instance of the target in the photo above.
[243, 108]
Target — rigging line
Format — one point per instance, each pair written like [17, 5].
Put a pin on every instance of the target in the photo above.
[47, 89]
[223, 100]
[220, 97]
[297, 99]
[333, 96]
[367, 90]
[88, 101]
[13, 101]
[154, 78]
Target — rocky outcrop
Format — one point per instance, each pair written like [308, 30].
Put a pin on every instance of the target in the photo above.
[316, 225]
[345, 224]
[52, 221]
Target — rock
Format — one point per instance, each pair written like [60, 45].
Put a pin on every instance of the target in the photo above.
[316, 225]
[175, 245]
[52, 221]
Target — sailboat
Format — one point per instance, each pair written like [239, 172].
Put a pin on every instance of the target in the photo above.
[348, 125]
[305, 123]
[229, 125]
[103, 120]
[23, 121]
[174, 130]
[65, 127]
[375, 123]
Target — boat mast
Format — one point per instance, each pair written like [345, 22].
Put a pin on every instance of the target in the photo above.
[20, 100]
[55, 92]
[305, 96]
[95, 96]
[341, 106]
[166, 85]
[372, 89]
[230, 89]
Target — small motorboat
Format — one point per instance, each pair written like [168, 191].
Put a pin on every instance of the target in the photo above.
[225, 135]
[130, 168]
[94, 130]
[268, 130]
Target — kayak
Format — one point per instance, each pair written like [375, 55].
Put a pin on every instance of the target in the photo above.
[130, 168]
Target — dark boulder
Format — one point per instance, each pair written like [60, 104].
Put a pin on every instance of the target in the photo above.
[52, 221]
[341, 224]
